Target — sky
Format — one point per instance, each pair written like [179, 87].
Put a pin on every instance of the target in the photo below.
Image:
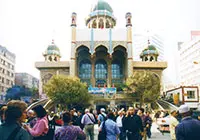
[28, 26]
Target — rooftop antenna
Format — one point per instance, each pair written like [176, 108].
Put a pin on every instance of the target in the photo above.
[53, 36]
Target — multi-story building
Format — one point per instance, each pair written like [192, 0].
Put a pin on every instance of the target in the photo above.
[101, 55]
[142, 40]
[7, 69]
[26, 80]
[190, 72]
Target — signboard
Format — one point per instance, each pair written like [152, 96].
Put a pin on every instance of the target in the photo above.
[96, 90]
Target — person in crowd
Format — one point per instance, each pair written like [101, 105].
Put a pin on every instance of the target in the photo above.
[78, 120]
[142, 116]
[188, 128]
[112, 130]
[133, 125]
[93, 112]
[58, 120]
[120, 125]
[173, 123]
[157, 115]
[101, 116]
[40, 129]
[88, 121]
[148, 123]
[69, 131]
[31, 118]
[2, 114]
[15, 115]
[74, 116]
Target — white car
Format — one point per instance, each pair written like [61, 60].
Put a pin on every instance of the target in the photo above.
[163, 123]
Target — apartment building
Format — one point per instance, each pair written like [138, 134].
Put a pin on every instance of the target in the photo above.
[7, 69]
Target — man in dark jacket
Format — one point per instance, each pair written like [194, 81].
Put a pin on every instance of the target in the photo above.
[189, 128]
[133, 125]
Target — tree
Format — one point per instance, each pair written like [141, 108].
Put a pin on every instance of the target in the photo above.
[67, 91]
[145, 85]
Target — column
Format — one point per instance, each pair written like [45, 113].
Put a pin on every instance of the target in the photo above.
[109, 78]
[93, 72]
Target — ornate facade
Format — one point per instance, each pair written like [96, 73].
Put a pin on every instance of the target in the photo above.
[101, 55]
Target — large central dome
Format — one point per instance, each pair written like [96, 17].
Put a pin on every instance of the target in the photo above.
[101, 16]
[102, 5]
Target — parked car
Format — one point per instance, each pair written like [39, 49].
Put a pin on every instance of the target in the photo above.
[163, 123]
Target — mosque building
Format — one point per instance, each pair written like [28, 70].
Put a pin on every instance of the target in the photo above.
[101, 55]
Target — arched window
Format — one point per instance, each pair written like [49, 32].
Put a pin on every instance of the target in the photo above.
[151, 58]
[116, 69]
[85, 69]
[50, 58]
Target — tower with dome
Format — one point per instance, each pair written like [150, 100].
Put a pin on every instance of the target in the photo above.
[101, 54]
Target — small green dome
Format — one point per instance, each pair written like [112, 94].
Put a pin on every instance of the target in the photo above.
[102, 5]
[152, 47]
[150, 50]
[53, 50]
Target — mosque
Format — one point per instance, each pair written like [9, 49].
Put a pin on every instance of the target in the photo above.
[101, 56]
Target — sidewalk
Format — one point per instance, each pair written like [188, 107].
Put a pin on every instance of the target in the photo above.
[156, 135]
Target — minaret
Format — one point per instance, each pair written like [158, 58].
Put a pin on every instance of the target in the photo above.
[73, 45]
[129, 43]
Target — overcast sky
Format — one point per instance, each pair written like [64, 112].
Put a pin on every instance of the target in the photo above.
[28, 26]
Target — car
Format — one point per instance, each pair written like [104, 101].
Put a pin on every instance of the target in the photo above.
[163, 123]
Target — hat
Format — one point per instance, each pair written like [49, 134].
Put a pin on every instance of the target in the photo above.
[183, 109]
[103, 110]
[130, 108]
[87, 110]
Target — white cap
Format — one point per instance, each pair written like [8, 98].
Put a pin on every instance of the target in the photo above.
[87, 110]
[103, 110]
[184, 108]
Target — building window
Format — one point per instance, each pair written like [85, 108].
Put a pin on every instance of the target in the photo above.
[101, 69]
[2, 80]
[101, 73]
[190, 94]
[116, 70]
[85, 69]
[7, 81]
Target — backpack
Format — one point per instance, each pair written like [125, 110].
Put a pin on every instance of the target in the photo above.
[102, 133]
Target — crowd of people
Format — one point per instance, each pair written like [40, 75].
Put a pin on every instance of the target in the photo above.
[133, 124]
[18, 123]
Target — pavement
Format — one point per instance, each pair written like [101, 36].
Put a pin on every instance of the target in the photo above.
[156, 134]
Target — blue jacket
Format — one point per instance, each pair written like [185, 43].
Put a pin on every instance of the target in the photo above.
[188, 129]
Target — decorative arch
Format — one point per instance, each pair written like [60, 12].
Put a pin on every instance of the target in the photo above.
[101, 43]
[81, 46]
[46, 77]
[102, 51]
[119, 43]
[156, 75]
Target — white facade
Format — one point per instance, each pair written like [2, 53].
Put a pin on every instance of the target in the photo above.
[101, 34]
[140, 42]
[7, 69]
[190, 72]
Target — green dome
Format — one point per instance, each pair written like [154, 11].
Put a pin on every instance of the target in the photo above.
[150, 50]
[152, 47]
[53, 50]
[102, 5]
